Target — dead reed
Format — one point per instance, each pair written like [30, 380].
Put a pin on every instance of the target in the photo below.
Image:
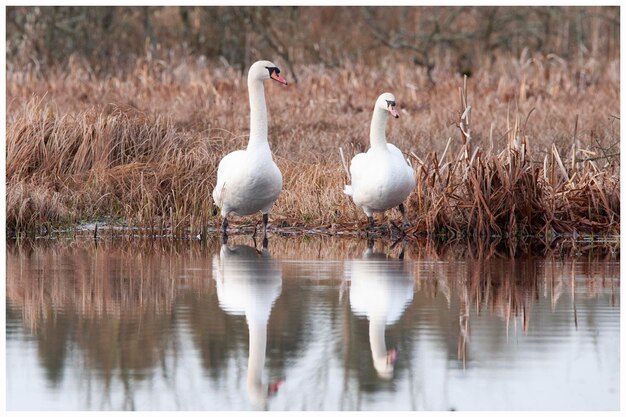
[540, 156]
[483, 193]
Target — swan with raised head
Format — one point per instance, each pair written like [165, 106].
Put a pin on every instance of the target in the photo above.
[380, 289]
[381, 177]
[249, 181]
[248, 283]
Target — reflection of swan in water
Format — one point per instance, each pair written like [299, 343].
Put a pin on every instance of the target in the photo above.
[380, 289]
[248, 282]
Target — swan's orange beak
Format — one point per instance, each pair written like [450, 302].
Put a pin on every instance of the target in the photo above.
[278, 78]
[391, 356]
[272, 388]
[393, 111]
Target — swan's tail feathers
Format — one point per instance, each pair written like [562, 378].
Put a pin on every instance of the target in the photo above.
[345, 166]
[348, 190]
[215, 197]
[218, 194]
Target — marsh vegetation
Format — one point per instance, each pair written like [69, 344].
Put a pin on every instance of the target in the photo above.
[128, 130]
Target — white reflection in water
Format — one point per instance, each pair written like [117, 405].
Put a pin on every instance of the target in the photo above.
[248, 283]
[380, 289]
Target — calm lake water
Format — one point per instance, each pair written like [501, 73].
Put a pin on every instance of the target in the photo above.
[308, 324]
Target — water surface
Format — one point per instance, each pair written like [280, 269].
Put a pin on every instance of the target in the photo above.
[313, 324]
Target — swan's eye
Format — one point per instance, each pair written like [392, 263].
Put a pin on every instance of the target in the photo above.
[390, 103]
[272, 70]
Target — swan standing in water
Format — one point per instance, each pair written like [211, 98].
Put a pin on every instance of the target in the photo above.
[248, 283]
[380, 289]
[249, 181]
[381, 177]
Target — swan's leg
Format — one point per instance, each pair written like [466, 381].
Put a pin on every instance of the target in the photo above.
[224, 228]
[265, 220]
[370, 219]
[405, 221]
[370, 226]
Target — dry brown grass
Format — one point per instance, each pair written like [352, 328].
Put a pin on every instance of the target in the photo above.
[142, 148]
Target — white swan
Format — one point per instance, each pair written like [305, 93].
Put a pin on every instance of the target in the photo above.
[380, 289]
[248, 180]
[249, 282]
[381, 177]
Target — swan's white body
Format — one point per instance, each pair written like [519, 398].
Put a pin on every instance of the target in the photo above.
[248, 181]
[381, 177]
[248, 283]
[380, 289]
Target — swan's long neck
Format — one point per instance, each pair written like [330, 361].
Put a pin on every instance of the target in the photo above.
[377, 128]
[258, 115]
[256, 358]
[377, 339]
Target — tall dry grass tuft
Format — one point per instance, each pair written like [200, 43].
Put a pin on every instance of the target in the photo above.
[483, 193]
[513, 193]
[114, 164]
[507, 195]
[140, 149]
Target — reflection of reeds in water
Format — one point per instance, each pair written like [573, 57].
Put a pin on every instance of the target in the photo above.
[116, 277]
[115, 299]
[509, 288]
[128, 277]
[95, 279]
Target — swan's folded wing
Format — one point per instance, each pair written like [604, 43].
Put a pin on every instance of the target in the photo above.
[358, 167]
[227, 165]
[396, 152]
